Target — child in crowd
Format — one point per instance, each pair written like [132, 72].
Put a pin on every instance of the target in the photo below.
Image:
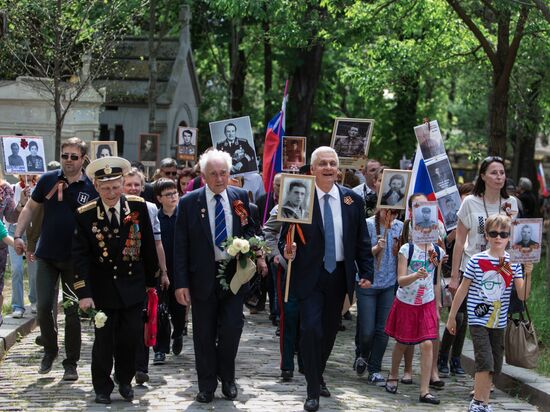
[487, 282]
[413, 319]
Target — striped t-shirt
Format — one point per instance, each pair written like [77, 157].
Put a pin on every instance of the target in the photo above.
[489, 292]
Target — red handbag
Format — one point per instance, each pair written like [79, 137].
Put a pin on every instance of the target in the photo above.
[150, 329]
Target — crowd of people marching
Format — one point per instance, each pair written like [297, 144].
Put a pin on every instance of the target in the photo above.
[92, 229]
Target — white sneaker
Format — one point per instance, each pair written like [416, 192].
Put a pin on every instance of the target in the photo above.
[476, 407]
[18, 313]
[33, 308]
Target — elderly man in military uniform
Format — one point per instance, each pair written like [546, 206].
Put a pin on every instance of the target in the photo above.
[115, 262]
[350, 146]
[242, 155]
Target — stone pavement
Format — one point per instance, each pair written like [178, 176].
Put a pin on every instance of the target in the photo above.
[173, 385]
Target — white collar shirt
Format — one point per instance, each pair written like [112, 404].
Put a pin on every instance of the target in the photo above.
[336, 207]
[211, 204]
[117, 211]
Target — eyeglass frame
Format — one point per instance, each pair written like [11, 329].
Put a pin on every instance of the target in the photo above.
[73, 156]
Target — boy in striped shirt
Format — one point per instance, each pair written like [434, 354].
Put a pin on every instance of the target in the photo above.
[487, 282]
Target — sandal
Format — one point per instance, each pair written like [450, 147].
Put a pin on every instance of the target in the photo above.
[437, 384]
[406, 381]
[391, 388]
[428, 398]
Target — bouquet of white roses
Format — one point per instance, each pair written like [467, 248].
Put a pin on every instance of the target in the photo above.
[97, 316]
[245, 251]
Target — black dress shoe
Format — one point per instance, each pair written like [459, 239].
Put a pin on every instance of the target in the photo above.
[126, 391]
[205, 397]
[101, 398]
[287, 375]
[324, 392]
[47, 362]
[177, 345]
[229, 390]
[311, 404]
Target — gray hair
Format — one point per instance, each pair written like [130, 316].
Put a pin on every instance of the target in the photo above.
[215, 155]
[323, 149]
[525, 184]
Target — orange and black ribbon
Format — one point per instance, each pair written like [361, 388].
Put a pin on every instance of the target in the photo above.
[58, 187]
[240, 210]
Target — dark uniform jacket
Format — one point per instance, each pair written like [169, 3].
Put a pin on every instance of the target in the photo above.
[114, 266]
[248, 160]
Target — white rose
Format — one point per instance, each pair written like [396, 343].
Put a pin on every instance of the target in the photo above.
[238, 243]
[99, 319]
[232, 250]
[246, 247]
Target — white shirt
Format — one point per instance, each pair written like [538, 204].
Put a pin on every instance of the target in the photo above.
[153, 211]
[211, 204]
[336, 208]
[117, 212]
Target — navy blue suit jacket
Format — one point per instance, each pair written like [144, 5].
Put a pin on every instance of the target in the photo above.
[194, 259]
[308, 266]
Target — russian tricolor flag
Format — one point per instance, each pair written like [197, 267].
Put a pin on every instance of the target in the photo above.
[420, 180]
[273, 147]
[543, 190]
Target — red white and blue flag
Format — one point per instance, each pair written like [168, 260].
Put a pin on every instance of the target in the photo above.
[420, 180]
[543, 190]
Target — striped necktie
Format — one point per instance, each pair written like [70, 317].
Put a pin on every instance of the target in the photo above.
[220, 232]
[330, 242]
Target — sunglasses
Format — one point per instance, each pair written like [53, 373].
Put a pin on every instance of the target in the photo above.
[493, 159]
[73, 156]
[503, 235]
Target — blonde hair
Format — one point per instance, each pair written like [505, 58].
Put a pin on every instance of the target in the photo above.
[497, 221]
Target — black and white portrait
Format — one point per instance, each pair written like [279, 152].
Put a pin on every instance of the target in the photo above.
[351, 140]
[424, 219]
[430, 140]
[235, 137]
[441, 175]
[148, 149]
[187, 143]
[526, 240]
[394, 188]
[296, 198]
[294, 153]
[449, 205]
[100, 149]
[23, 155]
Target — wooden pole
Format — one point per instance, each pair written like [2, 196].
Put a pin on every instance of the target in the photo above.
[289, 266]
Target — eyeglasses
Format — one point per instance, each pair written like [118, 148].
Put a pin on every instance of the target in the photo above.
[490, 159]
[493, 234]
[73, 156]
[170, 194]
[489, 284]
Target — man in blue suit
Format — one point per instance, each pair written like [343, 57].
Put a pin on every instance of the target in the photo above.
[206, 217]
[336, 249]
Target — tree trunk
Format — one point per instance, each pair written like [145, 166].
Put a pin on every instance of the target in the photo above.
[304, 83]
[268, 74]
[153, 73]
[452, 98]
[405, 115]
[57, 92]
[498, 115]
[237, 63]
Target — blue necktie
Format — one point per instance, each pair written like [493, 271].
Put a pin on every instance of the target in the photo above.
[330, 243]
[220, 231]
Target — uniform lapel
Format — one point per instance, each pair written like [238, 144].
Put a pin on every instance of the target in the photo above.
[204, 217]
[317, 212]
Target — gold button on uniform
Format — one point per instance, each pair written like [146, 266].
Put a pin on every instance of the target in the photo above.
[114, 277]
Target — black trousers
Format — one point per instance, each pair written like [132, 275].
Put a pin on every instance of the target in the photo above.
[320, 315]
[177, 319]
[217, 326]
[117, 340]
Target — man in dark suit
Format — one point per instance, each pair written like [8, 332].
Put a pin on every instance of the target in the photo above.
[336, 248]
[205, 218]
[115, 262]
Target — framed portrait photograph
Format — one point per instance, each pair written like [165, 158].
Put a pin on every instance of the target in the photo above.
[23, 155]
[294, 153]
[100, 149]
[187, 143]
[526, 239]
[351, 140]
[296, 198]
[424, 222]
[449, 205]
[149, 149]
[441, 174]
[394, 189]
[235, 137]
[430, 140]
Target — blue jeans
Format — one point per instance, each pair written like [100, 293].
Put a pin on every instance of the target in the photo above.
[373, 307]
[16, 261]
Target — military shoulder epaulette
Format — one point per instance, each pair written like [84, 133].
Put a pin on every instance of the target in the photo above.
[87, 206]
[133, 198]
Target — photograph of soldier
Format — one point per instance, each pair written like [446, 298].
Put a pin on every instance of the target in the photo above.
[100, 149]
[234, 136]
[35, 163]
[351, 137]
[187, 142]
[296, 198]
[526, 239]
[430, 140]
[294, 153]
[15, 163]
[394, 187]
[425, 229]
[441, 175]
[449, 205]
[148, 153]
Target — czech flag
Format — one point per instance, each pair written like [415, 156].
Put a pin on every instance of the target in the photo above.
[543, 190]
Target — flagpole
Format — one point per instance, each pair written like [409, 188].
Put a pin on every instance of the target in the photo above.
[274, 156]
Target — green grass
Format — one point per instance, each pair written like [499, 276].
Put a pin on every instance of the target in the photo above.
[539, 309]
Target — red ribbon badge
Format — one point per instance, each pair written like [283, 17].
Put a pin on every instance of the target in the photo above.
[240, 210]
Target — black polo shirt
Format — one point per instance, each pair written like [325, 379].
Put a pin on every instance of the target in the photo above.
[167, 231]
[59, 216]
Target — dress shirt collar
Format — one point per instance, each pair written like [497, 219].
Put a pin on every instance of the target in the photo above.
[210, 194]
[334, 193]
[117, 207]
